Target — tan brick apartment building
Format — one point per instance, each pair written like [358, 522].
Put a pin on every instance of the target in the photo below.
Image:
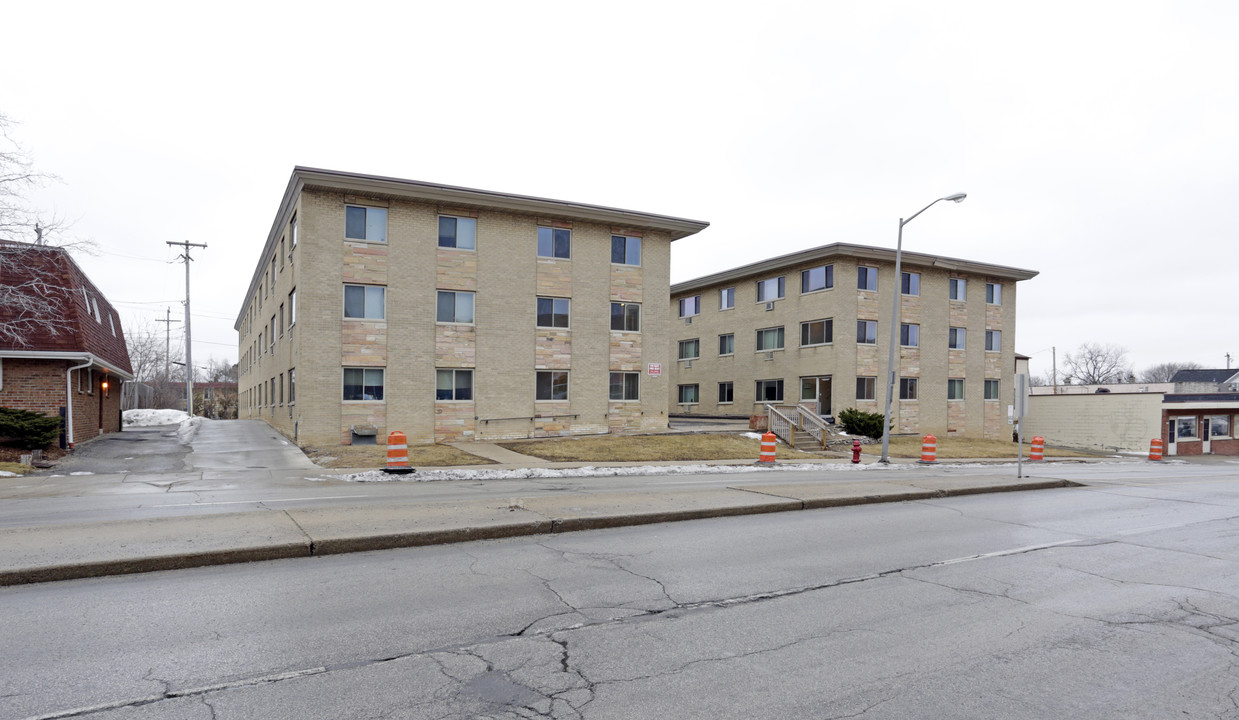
[812, 327]
[448, 313]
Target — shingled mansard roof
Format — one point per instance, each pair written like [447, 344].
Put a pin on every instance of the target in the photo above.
[1202, 376]
[85, 325]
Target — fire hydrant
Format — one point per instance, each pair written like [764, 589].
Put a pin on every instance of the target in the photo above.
[856, 450]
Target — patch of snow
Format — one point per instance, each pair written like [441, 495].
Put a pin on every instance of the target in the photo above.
[6, 473]
[590, 471]
[189, 428]
[150, 418]
[751, 435]
[82, 472]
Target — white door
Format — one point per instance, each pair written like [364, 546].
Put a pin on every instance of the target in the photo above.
[1204, 436]
[1171, 447]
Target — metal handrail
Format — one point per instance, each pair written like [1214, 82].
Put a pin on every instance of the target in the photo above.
[781, 425]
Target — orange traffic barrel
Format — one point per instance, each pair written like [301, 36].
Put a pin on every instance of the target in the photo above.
[768, 442]
[1155, 449]
[1038, 449]
[397, 453]
[929, 449]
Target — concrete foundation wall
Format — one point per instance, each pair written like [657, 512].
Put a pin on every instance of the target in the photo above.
[1107, 422]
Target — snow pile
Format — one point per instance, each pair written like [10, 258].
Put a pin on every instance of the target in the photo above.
[6, 473]
[590, 471]
[185, 433]
[151, 418]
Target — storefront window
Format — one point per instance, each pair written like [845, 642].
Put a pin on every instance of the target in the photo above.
[1219, 426]
[1185, 428]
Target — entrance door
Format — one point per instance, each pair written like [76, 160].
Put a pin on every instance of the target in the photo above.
[823, 396]
[1171, 448]
[1204, 437]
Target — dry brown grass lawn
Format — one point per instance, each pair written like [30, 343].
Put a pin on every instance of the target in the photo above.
[375, 456]
[649, 448]
[16, 468]
[952, 448]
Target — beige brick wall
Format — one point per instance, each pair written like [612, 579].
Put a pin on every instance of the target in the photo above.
[1113, 422]
[844, 360]
[502, 346]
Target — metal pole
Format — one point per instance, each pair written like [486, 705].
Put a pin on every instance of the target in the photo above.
[892, 368]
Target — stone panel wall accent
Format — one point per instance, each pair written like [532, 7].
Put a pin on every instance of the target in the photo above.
[909, 415]
[454, 421]
[457, 270]
[626, 352]
[455, 346]
[365, 263]
[554, 277]
[627, 282]
[553, 349]
[995, 420]
[363, 343]
[363, 413]
[956, 416]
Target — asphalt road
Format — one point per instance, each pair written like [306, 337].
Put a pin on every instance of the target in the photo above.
[1117, 600]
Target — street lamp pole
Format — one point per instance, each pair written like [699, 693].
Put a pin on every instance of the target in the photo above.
[892, 369]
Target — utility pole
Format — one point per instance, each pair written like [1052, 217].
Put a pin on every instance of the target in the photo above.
[189, 358]
[1227, 361]
[1054, 364]
[167, 351]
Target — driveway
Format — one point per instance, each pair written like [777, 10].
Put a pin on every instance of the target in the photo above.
[212, 445]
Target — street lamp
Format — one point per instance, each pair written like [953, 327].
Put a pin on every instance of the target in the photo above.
[892, 370]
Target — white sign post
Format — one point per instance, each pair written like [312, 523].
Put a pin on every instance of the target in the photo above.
[1020, 389]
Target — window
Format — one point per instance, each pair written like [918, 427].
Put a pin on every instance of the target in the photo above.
[726, 393]
[991, 389]
[866, 332]
[1185, 428]
[626, 316]
[281, 319]
[271, 334]
[281, 389]
[955, 389]
[959, 289]
[282, 254]
[554, 243]
[818, 278]
[292, 386]
[552, 385]
[687, 395]
[727, 344]
[624, 385]
[553, 312]
[98, 317]
[454, 307]
[910, 283]
[769, 391]
[910, 335]
[292, 237]
[1219, 426]
[866, 278]
[955, 340]
[727, 298]
[817, 332]
[459, 233]
[770, 339]
[908, 388]
[86, 381]
[690, 349]
[993, 293]
[690, 306]
[292, 308]
[772, 289]
[112, 324]
[365, 223]
[453, 384]
[993, 341]
[625, 250]
[866, 388]
[364, 302]
[363, 383]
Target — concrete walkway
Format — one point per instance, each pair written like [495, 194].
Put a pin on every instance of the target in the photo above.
[61, 552]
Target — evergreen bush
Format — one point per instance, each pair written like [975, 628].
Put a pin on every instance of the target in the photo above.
[859, 422]
[30, 430]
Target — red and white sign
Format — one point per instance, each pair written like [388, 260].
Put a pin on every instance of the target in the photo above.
[656, 369]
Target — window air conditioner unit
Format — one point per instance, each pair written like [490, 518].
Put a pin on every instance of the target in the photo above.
[769, 356]
[769, 306]
[688, 321]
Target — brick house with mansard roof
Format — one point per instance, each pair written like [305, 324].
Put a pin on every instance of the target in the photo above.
[66, 355]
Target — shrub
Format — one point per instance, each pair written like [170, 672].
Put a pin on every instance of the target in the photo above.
[859, 422]
[30, 430]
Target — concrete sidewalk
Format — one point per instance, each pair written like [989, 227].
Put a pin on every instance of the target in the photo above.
[62, 552]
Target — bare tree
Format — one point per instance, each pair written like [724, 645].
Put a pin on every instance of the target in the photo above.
[33, 295]
[1045, 379]
[1097, 364]
[1163, 372]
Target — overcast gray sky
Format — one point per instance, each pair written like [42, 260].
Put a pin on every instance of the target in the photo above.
[1098, 142]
